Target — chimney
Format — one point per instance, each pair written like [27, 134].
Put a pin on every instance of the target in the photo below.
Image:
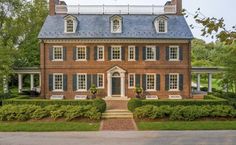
[178, 4]
[52, 9]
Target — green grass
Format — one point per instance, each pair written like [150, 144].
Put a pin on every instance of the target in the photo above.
[47, 126]
[184, 125]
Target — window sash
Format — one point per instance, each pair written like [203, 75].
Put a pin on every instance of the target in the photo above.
[100, 80]
[173, 82]
[100, 53]
[81, 82]
[151, 82]
[131, 53]
[70, 26]
[57, 82]
[173, 53]
[131, 78]
[58, 53]
[150, 53]
[116, 53]
[81, 53]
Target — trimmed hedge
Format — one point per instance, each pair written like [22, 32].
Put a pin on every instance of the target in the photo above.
[27, 112]
[135, 103]
[186, 113]
[99, 103]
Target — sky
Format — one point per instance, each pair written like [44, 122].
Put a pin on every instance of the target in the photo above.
[210, 8]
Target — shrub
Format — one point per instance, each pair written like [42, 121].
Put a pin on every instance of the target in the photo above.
[57, 114]
[22, 97]
[100, 104]
[93, 114]
[134, 103]
[144, 112]
[75, 112]
[40, 113]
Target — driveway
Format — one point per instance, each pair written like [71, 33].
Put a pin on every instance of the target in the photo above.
[121, 138]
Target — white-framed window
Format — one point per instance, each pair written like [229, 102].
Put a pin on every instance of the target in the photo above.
[70, 26]
[100, 53]
[173, 53]
[116, 52]
[173, 82]
[70, 23]
[151, 82]
[57, 53]
[58, 82]
[100, 80]
[150, 53]
[131, 78]
[81, 82]
[131, 53]
[81, 53]
[161, 24]
[116, 24]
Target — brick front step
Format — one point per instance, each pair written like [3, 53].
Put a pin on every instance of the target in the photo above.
[117, 114]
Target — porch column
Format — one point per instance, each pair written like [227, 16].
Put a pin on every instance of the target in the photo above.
[209, 82]
[31, 81]
[109, 85]
[122, 85]
[198, 82]
[5, 85]
[19, 83]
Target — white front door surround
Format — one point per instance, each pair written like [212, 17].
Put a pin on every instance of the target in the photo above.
[110, 73]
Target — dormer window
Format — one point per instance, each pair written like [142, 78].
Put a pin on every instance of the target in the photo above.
[70, 24]
[116, 24]
[161, 24]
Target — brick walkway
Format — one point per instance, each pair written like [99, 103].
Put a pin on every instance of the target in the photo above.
[118, 125]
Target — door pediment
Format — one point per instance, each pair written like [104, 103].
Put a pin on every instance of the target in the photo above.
[116, 69]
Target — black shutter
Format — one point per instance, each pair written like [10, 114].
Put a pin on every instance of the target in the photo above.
[144, 82]
[74, 82]
[65, 82]
[157, 53]
[50, 82]
[51, 53]
[95, 53]
[136, 53]
[167, 82]
[88, 53]
[88, 82]
[181, 82]
[123, 53]
[180, 53]
[137, 80]
[95, 79]
[74, 53]
[158, 79]
[109, 53]
[144, 53]
[64, 53]
[167, 53]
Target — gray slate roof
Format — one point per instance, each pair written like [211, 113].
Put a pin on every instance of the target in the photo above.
[134, 26]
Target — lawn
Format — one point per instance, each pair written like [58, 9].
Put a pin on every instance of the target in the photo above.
[48, 126]
[184, 125]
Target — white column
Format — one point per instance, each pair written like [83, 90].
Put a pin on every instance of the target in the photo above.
[19, 83]
[40, 81]
[31, 81]
[122, 85]
[5, 85]
[209, 82]
[198, 82]
[109, 87]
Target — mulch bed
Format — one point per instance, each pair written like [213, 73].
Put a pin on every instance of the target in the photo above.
[118, 125]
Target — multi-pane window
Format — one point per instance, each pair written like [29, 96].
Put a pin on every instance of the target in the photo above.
[57, 53]
[131, 52]
[70, 26]
[81, 53]
[173, 53]
[100, 80]
[82, 79]
[100, 53]
[116, 53]
[174, 82]
[131, 78]
[162, 25]
[151, 81]
[58, 82]
[150, 53]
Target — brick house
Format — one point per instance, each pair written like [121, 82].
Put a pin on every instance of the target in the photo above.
[116, 52]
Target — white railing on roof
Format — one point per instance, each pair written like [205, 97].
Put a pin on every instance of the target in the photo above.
[115, 9]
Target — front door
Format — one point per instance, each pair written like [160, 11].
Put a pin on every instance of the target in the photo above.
[116, 86]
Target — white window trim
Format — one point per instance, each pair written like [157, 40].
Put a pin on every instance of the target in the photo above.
[174, 90]
[131, 87]
[174, 46]
[112, 53]
[120, 22]
[151, 90]
[98, 53]
[154, 53]
[102, 87]
[54, 90]
[157, 25]
[74, 24]
[129, 53]
[81, 90]
[77, 53]
[61, 53]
